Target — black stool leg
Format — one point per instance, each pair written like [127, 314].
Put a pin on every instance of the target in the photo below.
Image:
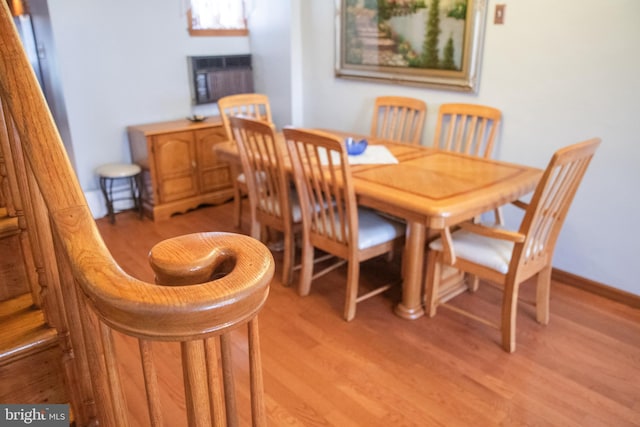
[106, 185]
[140, 188]
[136, 192]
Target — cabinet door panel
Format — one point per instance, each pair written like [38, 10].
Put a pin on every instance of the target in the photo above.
[175, 165]
[213, 174]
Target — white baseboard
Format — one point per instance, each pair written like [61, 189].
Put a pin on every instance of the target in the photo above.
[98, 207]
[95, 200]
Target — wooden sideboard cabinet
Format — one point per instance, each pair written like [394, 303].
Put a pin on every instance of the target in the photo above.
[180, 169]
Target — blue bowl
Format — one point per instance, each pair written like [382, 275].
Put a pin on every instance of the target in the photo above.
[355, 147]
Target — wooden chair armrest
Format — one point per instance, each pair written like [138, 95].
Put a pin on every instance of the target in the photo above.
[448, 253]
[496, 233]
[520, 204]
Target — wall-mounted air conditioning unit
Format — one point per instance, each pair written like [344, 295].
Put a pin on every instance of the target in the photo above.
[213, 77]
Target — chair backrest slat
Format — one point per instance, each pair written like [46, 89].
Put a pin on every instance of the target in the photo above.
[467, 128]
[398, 119]
[551, 201]
[323, 178]
[263, 162]
[254, 105]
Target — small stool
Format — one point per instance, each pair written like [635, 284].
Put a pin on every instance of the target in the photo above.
[113, 172]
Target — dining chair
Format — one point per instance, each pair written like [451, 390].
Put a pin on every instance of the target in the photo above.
[251, 105]
[351, 233]
[508, 258]
[273, 202]
[398, 118]
[469, 129]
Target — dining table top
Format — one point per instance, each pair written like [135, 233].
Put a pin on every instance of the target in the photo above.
[434, 187]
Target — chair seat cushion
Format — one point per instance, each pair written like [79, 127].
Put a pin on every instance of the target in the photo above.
[373, 229]
[486, 251]
[273, 206]
[296, 211]
[118, 170]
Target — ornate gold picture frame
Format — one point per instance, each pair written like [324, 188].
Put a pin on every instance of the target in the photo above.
[431, 43]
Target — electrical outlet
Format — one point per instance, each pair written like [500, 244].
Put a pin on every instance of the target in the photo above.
[498, 17]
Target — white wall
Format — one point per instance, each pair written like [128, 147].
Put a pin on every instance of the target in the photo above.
[124, 63]
[561, 72]
[270, 35]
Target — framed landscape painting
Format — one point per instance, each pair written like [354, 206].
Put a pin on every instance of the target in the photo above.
[432, 43]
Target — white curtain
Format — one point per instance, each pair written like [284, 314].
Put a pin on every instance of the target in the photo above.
[217, 14]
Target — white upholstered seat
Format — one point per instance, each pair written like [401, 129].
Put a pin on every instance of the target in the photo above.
[486, 251]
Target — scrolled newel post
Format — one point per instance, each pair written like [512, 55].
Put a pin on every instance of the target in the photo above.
[239, 268]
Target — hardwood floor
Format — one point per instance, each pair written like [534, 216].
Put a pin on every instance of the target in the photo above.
[582, 369]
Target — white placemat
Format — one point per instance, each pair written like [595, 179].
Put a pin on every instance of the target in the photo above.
[373, 155]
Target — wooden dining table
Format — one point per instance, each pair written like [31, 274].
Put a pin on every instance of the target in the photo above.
[431, 190]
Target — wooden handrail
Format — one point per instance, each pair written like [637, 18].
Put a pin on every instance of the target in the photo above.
[106, 296]
[113, 293]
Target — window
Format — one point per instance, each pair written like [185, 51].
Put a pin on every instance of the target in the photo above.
[217, 18]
